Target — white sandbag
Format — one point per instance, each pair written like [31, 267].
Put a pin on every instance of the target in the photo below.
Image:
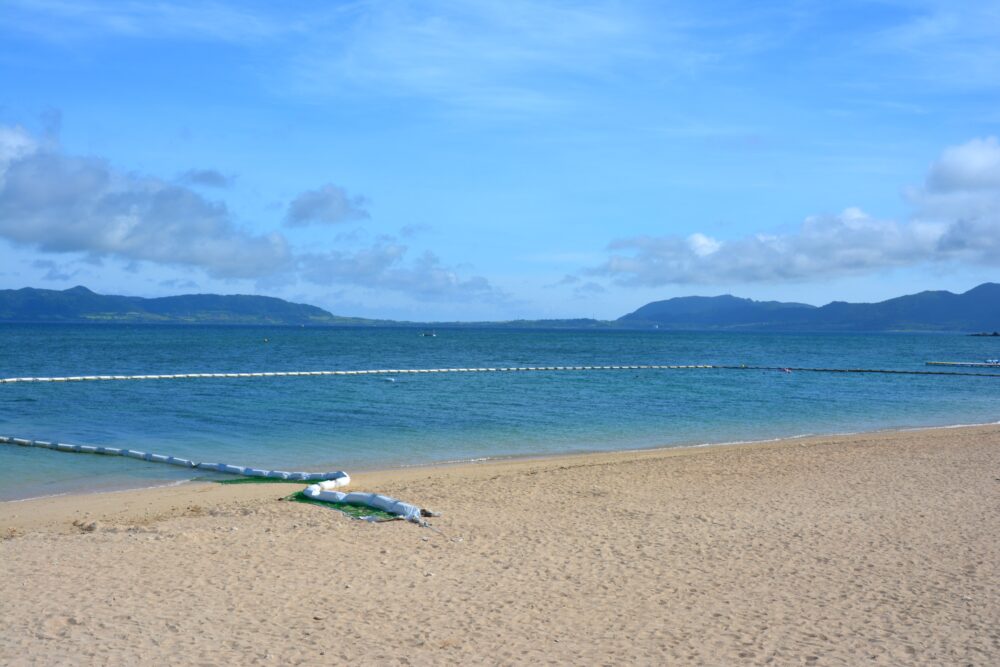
[384, 503]
[399, 508]
[339, 476]
[334, 482]
[316, 492]
[324, 489]
[321, 476]
[370, 499]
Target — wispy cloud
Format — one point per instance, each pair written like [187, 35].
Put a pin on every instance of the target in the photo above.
[950, 43]
[589, 289]
[69, 20]
[177, 283]
[513, 56]
[499, 57]
[209, 178]
[956, 218]
[382, 266]
[568, 279]
[53, 271]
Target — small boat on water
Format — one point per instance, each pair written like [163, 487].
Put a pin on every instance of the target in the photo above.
[428, 334]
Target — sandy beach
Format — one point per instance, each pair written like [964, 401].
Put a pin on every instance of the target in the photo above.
[863, 549]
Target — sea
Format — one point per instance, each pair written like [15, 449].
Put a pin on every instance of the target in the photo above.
[368, 422]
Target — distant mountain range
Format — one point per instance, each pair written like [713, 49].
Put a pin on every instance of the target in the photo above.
[974, 311]
[79, 304]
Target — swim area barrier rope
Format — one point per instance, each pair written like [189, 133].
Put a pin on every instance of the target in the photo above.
[497, 369]
[326, 482]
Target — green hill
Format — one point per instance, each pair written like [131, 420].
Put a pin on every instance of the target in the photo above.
[79, 304]
[975, 310]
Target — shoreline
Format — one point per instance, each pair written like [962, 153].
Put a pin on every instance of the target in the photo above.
[876, 548]
[56, 508]
[363, 471]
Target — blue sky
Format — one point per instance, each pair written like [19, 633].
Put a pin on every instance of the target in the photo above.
[499, 160]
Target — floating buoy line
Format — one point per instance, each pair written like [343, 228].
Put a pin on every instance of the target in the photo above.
[379, 371]
[326, 483]
[491, 369]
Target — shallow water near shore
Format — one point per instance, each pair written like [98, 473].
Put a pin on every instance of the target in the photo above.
[370, 422]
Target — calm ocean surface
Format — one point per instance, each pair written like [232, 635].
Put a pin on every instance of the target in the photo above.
[362, 422]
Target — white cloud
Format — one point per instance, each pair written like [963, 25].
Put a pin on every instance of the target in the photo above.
[329, 204]
[962, 196]
[956, 219]
[15, 143]
[702, 245]
[972, 166]
[83, 207]
[62, 203]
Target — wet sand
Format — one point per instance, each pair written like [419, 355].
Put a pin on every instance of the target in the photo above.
[861, 549]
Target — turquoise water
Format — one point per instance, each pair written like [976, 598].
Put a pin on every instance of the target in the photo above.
[366, 422]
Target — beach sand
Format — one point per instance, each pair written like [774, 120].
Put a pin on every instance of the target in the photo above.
[861, 549]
